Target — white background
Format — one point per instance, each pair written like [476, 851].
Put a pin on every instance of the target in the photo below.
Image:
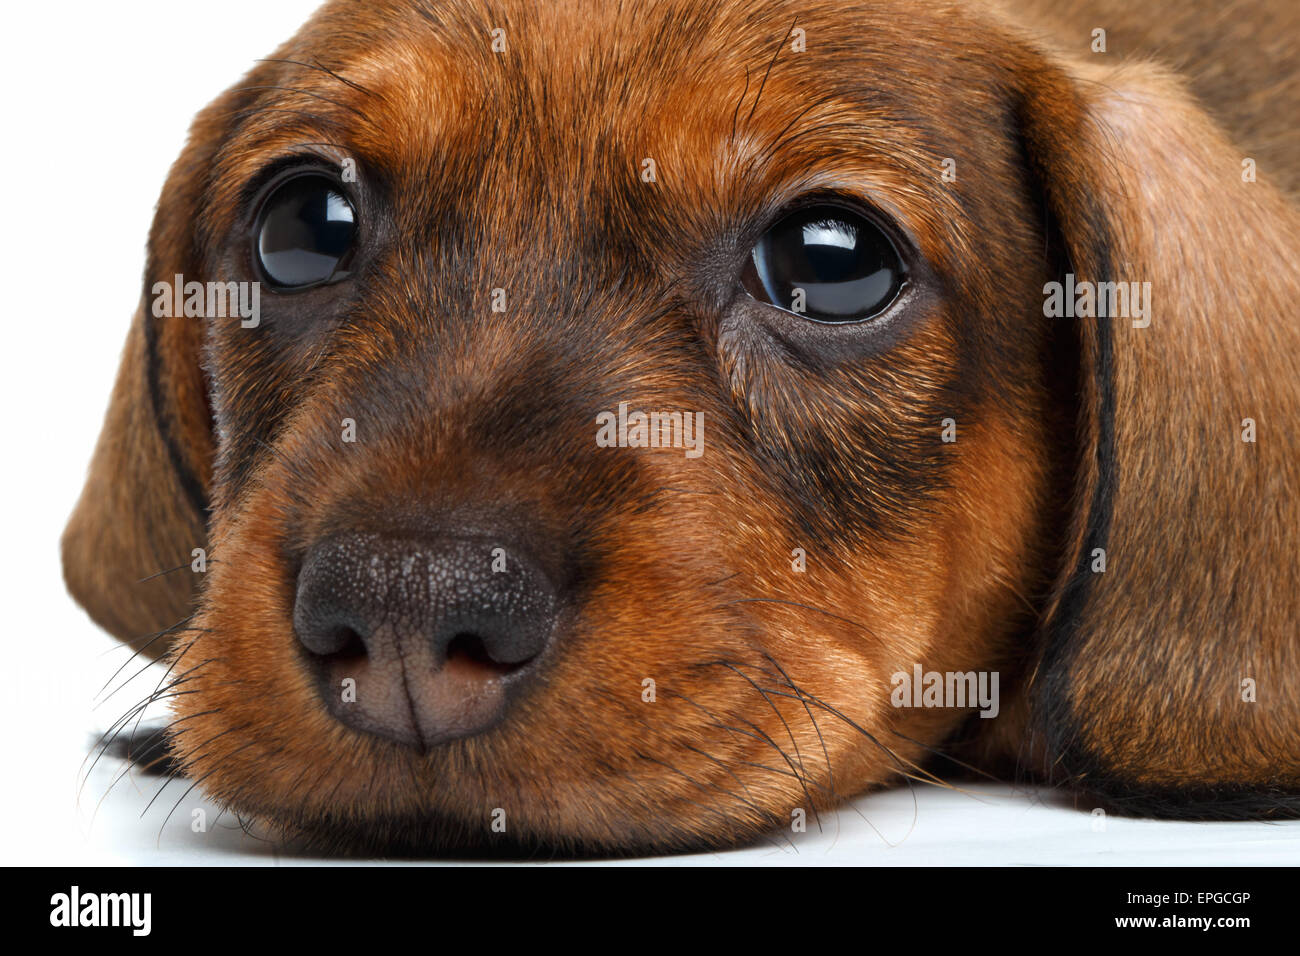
[98, 97]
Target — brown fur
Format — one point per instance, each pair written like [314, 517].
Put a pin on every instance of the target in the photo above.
[519, 170]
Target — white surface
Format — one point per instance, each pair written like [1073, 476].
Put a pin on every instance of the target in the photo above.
[98, 98]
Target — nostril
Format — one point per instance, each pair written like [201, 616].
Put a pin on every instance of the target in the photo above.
[469, 646]
[346, 644]
[468, 654]
[327, 634]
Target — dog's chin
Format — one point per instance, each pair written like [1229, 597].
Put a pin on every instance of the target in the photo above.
[452, 824]
[438, 835]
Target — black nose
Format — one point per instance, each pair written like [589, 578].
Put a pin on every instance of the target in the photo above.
[421, 641]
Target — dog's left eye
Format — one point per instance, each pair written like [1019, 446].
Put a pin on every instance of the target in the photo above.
[304, 232]
[825, 263]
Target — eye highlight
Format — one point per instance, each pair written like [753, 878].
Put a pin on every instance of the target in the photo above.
[827, 264]
[305, 230]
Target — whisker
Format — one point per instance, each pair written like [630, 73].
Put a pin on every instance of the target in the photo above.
[768, 71]
[190, 789]
[781, 717]
[190, 755]
[126, 683]
[167, 630]
[762, 735]
[806, 607]
[183, 677]
[830, 773]
[115, 729]
[740, 102]
[290, 89]
[893, 755]
[133, 764]
[946, 756]
[801, 694]
[166, 571]
[808, 710]
[316, 65]
[778, 141]
[727, 770]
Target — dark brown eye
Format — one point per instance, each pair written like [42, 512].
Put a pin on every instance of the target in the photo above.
[826, 263]
[305, 231]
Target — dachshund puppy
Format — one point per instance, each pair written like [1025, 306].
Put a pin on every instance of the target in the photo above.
[626, 428]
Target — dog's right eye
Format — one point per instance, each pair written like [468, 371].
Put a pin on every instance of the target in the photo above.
[305, 230]
[826, 263]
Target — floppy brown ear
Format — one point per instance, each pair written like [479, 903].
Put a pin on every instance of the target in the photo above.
[128, 545]
[1167, 681]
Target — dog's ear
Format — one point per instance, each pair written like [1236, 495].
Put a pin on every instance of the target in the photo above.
[128, 546]
[1166, 682]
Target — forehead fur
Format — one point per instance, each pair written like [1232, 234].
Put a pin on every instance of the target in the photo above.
[564, 115]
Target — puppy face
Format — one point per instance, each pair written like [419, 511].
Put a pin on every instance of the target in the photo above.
[434, 592]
